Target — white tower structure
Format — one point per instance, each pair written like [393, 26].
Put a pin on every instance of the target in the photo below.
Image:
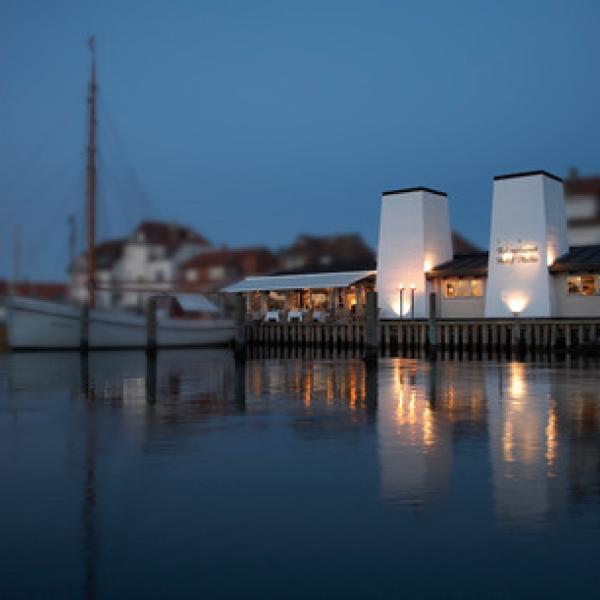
[414, 236]
[528, 233]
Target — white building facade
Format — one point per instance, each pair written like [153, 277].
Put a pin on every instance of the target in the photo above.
[129, 271]
[530, 270]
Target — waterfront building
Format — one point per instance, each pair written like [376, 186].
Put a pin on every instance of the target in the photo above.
[530, 270]
[318, 296]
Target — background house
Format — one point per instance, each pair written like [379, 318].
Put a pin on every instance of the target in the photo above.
[213, 270]
[129, 270]
[582, 203]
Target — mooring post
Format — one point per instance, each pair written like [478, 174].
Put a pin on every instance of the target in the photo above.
[240, 327]
[432, 324]
[84, 333]
[372, 328]
[151, 324]
[515, 337]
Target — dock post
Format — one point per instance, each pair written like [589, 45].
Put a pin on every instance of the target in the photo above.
[432, 337]
[371, 327]
[240, 327]
[151, 325]
[84, 334]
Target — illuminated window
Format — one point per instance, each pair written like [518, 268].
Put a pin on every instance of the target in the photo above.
[588, 285]
[450, 288]
[463, 288]
[582, 285]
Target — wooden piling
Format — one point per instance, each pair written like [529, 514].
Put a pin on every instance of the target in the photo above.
[240, 327]
[371, 328]
[151, 325]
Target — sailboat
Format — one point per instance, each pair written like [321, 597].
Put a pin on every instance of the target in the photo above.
[39, 324]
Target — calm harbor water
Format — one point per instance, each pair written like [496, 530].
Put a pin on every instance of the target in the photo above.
[297, 478]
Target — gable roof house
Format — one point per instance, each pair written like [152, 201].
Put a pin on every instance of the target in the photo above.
[129, 270]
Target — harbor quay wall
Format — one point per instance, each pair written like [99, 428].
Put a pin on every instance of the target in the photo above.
[454, 334]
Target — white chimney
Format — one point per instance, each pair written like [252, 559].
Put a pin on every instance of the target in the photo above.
[528, 233]
[414, 236]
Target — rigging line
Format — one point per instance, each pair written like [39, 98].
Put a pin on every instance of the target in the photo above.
[40, 185]
[135, 179]
[41, 238]
[129, 217]
[66, 191]
[34, 155]
[129, 178]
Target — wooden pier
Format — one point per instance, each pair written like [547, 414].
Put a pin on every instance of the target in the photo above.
[460, 335]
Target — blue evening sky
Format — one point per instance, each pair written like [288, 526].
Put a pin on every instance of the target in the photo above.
[253, 121]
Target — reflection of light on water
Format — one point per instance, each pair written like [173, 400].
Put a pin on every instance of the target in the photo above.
[524, 434]
[307, 388]
[507, 441]
[428, 432]
[353, 389]
[134, 390]
[551, 437]
[517, 385]
[413, 415]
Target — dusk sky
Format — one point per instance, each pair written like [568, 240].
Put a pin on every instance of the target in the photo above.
[254, 121]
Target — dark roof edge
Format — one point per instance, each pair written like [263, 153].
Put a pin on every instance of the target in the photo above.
[574, 267]
[414, 189]
[527, 174]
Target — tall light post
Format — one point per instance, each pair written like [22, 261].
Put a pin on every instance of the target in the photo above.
[412, 300]
[401, 293]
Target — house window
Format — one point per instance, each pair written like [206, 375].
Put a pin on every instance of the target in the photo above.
[191, 275]
[463, 287]
[216, 273]
[582, 285]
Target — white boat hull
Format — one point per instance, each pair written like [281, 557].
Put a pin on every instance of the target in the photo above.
[37, 324]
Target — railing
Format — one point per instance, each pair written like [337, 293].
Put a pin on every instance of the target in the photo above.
[465, 334]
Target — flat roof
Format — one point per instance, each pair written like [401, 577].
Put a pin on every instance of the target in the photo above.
[414, 189]
[304, 281]
[527, 174]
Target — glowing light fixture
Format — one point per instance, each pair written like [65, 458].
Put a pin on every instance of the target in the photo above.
[401, 304]
[516, 304]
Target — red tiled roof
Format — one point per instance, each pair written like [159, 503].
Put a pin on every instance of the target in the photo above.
[47, 290]
[229, 256]
[582, 186]
[168, 234]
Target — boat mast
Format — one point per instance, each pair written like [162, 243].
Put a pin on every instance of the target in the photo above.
[91, 182]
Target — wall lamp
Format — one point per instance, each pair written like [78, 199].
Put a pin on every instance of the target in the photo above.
[413, 286]
[401, 293]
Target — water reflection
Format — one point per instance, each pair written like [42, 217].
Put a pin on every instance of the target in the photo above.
[497, 443]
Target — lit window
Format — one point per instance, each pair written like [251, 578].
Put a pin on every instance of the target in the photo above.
[581, 285]
[477, 288]
[216, 273]
[574, 284]
[450, 289]
[463, 288]
[588, 285]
